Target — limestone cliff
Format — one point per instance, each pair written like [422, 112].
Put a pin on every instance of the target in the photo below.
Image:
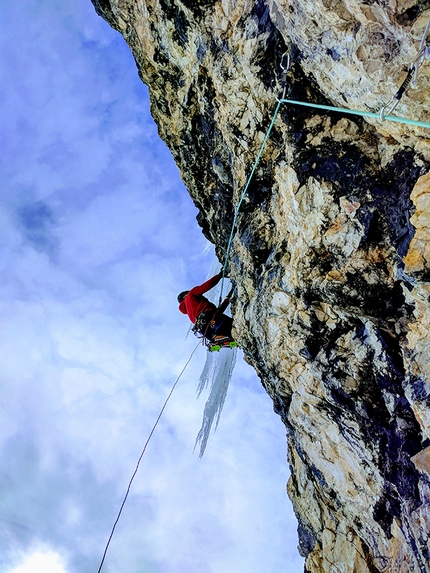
[331, 255]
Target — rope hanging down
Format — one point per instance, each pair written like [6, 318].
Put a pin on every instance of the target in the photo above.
[284, 69]
[245, 190]
[140, 458]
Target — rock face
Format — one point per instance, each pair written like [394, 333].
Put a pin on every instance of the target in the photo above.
[331, 253]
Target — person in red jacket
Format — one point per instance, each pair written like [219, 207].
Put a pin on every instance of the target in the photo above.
[209, 320]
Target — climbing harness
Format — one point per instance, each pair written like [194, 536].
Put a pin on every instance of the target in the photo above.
[411, 78]
[141, 456]
[424, 52]
[207, 321]
[204, 321]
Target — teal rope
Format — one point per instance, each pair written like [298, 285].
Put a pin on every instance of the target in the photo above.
[358, 112]
[244, 192]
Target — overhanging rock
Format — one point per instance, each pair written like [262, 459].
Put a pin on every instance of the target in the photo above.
[332, 250]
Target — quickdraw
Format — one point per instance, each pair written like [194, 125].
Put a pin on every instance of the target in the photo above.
[411, 78]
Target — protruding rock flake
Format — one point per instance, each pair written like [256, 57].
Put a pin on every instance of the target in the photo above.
[331, 253]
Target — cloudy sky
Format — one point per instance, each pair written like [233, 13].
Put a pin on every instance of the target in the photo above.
[97, 237]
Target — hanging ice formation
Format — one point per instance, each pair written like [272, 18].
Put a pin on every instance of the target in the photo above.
[216, 374]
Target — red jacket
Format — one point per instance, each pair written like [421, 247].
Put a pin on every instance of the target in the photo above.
[195, 303]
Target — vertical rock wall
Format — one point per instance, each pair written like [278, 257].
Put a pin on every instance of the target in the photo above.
[331, 255]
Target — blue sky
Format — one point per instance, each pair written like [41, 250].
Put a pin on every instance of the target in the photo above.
[97, 237]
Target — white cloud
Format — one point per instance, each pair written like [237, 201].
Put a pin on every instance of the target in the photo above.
[48, 562]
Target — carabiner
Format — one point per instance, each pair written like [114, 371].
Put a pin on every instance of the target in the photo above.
[285, 68]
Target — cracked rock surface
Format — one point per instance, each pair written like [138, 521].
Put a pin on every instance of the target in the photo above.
[331, 255]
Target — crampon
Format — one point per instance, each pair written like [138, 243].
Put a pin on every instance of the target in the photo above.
[219, 342]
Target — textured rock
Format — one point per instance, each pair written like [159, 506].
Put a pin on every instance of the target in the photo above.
[331, 253]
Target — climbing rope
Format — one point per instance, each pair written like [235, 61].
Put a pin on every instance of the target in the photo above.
[393, 118]
[284, 69]
[141, 456]
[244, 192]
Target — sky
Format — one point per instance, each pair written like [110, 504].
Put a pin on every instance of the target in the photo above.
[97, 237]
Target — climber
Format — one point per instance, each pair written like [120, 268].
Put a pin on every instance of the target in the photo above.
[208, 320]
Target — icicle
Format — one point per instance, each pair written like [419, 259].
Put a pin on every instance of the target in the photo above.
[207, 375]
[217, 372]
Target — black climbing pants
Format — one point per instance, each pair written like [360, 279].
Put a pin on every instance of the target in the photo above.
[221, 325]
